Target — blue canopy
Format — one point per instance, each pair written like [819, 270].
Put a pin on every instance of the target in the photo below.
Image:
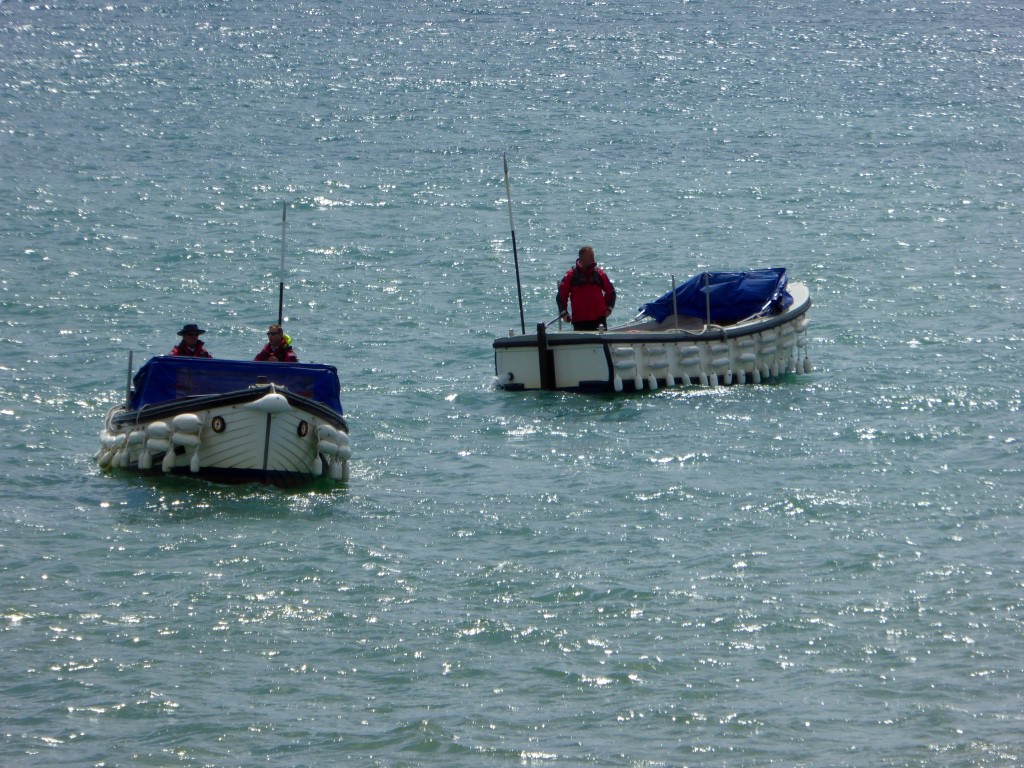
[734, 296]
[169, 378]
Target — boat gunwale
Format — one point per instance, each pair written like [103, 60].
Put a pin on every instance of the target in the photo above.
[171, 408]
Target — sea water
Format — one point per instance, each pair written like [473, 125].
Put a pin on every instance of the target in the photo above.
[822, 571]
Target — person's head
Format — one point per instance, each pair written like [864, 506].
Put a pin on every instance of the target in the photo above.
[190, 333]
[586, 257]
[276, 334]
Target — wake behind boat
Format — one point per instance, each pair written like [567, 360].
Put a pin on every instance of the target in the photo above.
[230, 421]
[716, 328]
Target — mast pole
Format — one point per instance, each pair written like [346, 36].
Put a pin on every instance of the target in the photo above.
[515, 252]
[280, 287]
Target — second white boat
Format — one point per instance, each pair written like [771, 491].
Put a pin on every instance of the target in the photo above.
[716, 328]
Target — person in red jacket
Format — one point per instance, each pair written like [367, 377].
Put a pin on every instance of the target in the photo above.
[190, 345]
[278, 348]
[589, 293]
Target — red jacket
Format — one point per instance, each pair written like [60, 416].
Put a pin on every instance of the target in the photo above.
[590, 292]
[284, 354]
[197, 351]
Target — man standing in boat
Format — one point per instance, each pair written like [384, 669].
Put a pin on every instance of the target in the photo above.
[278, 348]
[190, 345]
[587, 290]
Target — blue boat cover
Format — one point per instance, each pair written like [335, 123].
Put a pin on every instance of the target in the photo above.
[734, 296]
[169, 378]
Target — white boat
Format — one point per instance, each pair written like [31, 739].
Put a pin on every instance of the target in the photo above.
[230, 421]
[716, 328]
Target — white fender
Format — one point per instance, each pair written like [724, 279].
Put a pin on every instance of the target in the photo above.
[185, 440]
[318, 466]
[168, 463]
[755, 376]
[617, 383]
[194, 464]
[685, 380]
[713, 379]
[344, 453]
[638, 382]
[156, 445]
[105, 459]
[807, 365]
[652, 382]
[137, 437]
[342, 437]
[146, 460]
[327, 432]
[187, 422]
[158, 429]
[272, 403]
[328, 448]
[741, 377]
[692, 367]
[703, 379]
[728, 377]
[670, 380]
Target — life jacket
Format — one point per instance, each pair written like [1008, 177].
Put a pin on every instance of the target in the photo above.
[284, 353]
[198, 351]
[590, 292]
[586, 276]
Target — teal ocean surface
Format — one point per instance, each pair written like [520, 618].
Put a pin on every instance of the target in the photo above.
[823, 571]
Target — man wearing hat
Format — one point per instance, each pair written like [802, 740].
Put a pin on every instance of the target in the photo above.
[190, 345]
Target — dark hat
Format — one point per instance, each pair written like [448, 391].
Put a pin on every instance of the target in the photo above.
[191, 328]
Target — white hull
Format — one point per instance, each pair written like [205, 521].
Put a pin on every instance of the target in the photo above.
[649, 355]
[266, 437]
